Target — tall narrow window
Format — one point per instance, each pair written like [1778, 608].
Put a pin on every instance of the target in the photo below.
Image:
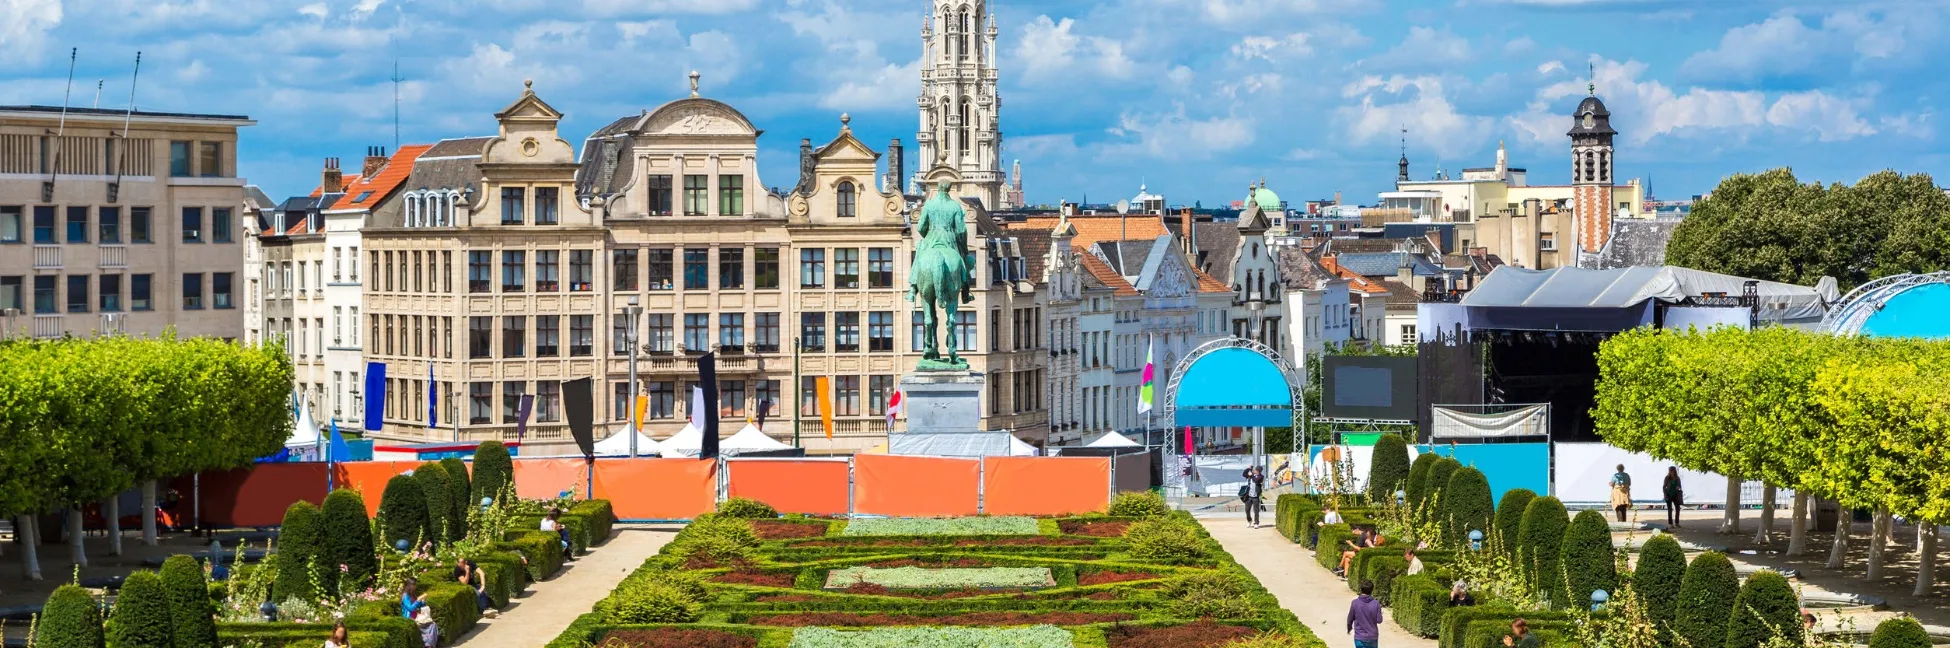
[879, 389]
[44, 295]
[846, 395]
[209, 159]
[111, 291]
[480, 337]
[220, 224]
[582, 270]
[765, 397]
[697, 268]
[848, 203]
[697, 194]
[10, 224]
[514, 336]
[514, 266]
[44, 228]
[582, 335]
[547, 203]
[658, 263]
[78, 293]
[192, 291]
[731, 398]
[480, 403]
[220, 290]
[812, 332]
[731, 267]
[480, 272]
[511, 393]
[547, 265]
[139, 225]
[548, 401]
[179, 159]
[697, 333]
[880, 267]
[548, 336]
[622, 270]
[663, 400]
[77, 224]
[846, 331]
[660, 333]
[765, 333]
[731, 195]
[846, 268]
[731, 331]
[880, 331]
[812, 268]
[660, 195]
[511, 205]
[192, 224]
[765, 268]
[140, 298]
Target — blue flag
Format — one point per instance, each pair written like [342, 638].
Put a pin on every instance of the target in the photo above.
[375, 396]
[433, 400]
[335, 451]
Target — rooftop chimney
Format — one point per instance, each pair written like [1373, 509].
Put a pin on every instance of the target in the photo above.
[1190, 242]
[333, 181]
[1337, 198]
[375, 160]
[896, 168]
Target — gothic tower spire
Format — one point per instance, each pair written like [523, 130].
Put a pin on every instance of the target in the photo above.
[958, 105]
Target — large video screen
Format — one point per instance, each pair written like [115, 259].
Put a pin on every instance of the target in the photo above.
[1368, 387]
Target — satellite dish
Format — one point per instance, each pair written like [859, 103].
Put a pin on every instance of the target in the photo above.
[1123, 206]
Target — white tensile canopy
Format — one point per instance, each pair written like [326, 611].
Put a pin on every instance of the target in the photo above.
[750, 439]
[1020, 448]
[688, 442]
[305, 434]
[1113, 440]
[618, 443]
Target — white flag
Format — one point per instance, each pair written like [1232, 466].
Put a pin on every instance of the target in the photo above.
[697, 407]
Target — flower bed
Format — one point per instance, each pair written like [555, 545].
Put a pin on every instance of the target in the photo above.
[677, 638]
[1109, 529]
[755, 578]
[893, 543]
[863, 619]
[784, 530]
[1102, 577]
[1031, 637]
[1006, 525]
[955, 578]
[1194, 635]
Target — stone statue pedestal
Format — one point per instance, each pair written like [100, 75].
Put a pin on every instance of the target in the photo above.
[943, 402]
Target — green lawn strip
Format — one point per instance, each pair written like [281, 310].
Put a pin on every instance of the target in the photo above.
[1042, 636]
[1003, 525]
[951, 578]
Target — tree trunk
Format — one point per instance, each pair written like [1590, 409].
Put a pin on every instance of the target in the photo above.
[75, 536]
[30, 560]
[1732, 522]
[1925, 557]
[1838, 552]
[149, 512]
[1765, 535]
[1877, 532]
[1798, 524]
[112, 514]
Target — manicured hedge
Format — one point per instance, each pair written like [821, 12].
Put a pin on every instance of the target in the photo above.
[1286, 516]
[1466, 506]
[599, 515]
[1540, 544]
[436, 489]
[1706, 599]
[1900, 632]
[453, 608]
[1509, 518]
[347, 541]
[1489, 634]
[1419, 601]
[494, 471]
[460, 495]
[403, 514]
[1766, 606]
[70, 619]
[1418, 479]
[1589, 563]
[381, 627]
[141, 618]
[298, 546]
[1458, 622]
[1437, 485]
[1388, 469]
[189, 602]
[1328, 551]
[1660, 572]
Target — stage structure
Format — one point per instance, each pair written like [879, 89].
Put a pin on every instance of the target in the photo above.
[1233, 382]
[1910, 305]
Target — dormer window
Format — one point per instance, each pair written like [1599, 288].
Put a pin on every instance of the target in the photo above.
[848, 204]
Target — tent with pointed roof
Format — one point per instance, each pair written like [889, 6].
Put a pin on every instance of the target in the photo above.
[688, 442]
[753, 442]
[1113, 440]
[618, 443]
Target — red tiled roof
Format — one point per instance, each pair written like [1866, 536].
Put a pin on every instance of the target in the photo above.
[382, 184]
[1092, 228]
[1103, 272]
[346, 181]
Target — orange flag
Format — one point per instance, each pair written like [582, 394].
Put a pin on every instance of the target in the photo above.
[824, 386]
[642, 406]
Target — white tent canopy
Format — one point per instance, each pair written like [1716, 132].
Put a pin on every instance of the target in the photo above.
[1019, 448]
[1113, 440]
[305, 434]
[750, 439]
[618, 443]
[688, 442]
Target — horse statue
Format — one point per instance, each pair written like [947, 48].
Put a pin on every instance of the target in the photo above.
[941, 275]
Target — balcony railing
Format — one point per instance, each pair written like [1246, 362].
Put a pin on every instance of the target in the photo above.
[114, 256]
[47, 256]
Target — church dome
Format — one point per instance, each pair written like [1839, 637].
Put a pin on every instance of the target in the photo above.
[1592, 105]
[1266, 199]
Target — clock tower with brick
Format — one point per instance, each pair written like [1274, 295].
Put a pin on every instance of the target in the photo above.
[1591, 176]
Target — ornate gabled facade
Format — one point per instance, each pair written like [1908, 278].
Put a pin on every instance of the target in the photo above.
[1063, 280]
[959, 108]
[1257, 290]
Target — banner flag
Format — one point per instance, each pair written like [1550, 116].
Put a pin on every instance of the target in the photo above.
[375, 396]
[642, 408]
[433, 400]
[824, 387]
[893, 407]
[1150, 369]
[579, 406]
[707, 373]
[522, 411]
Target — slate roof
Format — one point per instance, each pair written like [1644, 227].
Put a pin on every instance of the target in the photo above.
[1387, 264]
[607, 166]
[1216, 245]
[458, 147]
[1298, 270]
[1635, 243]
[1355, 281]
[1035, 246]
[448, 172]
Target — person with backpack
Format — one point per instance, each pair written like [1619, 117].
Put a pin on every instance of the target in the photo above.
[1251, 493]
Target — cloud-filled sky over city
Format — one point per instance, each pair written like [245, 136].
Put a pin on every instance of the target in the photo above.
[1195, 98]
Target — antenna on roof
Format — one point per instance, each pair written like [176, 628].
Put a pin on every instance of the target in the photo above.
[54, 166]
[98, 91]
[396, 80]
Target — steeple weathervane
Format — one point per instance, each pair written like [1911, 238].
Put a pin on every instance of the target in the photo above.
[1591, 79]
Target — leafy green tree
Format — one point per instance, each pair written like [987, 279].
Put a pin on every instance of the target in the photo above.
[1771, 226]
[1706, 598]
[1509, 518]
[1418, 480]
[403, 513]
[493, 470]
[461, 494]
[189, 602]
[437, 489]
[1900, 632]
[1540, 544]
[346, 550]
[141, 618]
[1388, 470]
[1466, 505]
[1661, 571]
[297, 550]
[70, 619]
[1765, 608]
[1589, 563]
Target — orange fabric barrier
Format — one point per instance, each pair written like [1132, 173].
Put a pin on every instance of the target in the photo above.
[542, 479]
[1045, 485]
[369, 478]
[915, 486]
[257, 496]
[657, 489]
[814, 487]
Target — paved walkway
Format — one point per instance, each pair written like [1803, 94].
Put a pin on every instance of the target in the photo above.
[1311, 593]
[552, 604]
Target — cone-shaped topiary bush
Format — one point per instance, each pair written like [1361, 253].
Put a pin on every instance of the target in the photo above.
[1418, 480]
[493, 470]
[1661, 570]
[141, 618]
[73, 619]
[1388, 470]
[1766, 607]
[1706, 601]
[1509, 518]
[347, 542]
[1589, 563]
[437, 490]
[461, 492]
[1438, 481]
[1900, 632]
[1539, 544]
[1466, 506]
[403, 513]
[298, 545]
[189, 602]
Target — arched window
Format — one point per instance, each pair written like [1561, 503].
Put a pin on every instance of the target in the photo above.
[437, 214]
[453, 200]
[961, 49]
[412, 210]
[848, 206]
[962, 136]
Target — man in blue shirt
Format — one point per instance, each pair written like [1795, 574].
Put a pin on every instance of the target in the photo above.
[1364, 618]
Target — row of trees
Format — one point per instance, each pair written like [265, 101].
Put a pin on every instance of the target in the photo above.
[89, 419]
[1772, 226]
[1856, 420]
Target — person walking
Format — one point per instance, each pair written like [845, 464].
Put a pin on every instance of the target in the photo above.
[1675, 496]
[1621, 491]
[1251, 492]
[1364, 618]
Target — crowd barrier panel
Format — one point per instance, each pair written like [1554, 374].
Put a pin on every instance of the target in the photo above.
[1045, 485]
[657, 490]
[906, 486]
[809, 486]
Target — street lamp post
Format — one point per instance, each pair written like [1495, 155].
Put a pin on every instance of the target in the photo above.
[631, 312]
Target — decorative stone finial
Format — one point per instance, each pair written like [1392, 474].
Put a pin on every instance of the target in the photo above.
[528, 85]
[694, 76]
[846, 121]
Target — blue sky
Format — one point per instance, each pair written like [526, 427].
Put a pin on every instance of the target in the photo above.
[1197, 98]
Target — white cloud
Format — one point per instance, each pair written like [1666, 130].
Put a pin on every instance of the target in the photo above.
[1550, 66]
[1252, 13]
[662, 30]
[889, 88]
[1041, 147]
[24, 25]
[1305, 154]
[1784, 45]
[1415, 102]
[1832, 119]
[365, 8]
[1174, 135]
[193, 72]
[1050, 49]
[316, 10]
[1273, 50]
[658, 7]
[1252, 84]
[1643, 110]
[1522, 45]
[1424, 48]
